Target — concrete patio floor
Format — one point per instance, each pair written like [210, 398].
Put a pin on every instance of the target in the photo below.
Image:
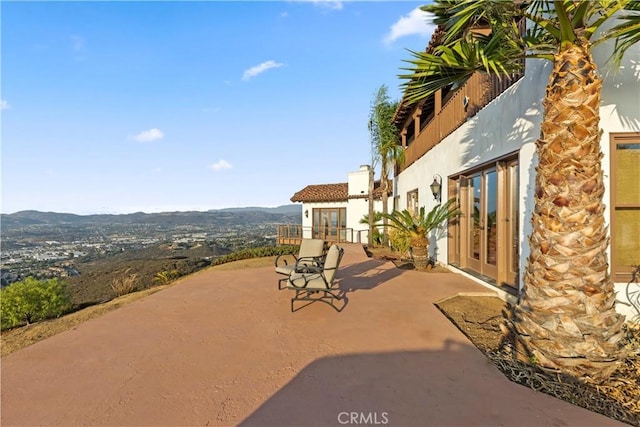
[223, 348]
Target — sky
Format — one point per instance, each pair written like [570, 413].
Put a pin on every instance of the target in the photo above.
[119, 107]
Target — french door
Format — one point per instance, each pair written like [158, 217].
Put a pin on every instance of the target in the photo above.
[485, 239]
[482, 222]
[327, 223]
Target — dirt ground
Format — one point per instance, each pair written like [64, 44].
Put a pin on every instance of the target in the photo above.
[479, 318]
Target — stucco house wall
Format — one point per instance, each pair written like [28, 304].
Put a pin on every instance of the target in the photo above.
[511, 124]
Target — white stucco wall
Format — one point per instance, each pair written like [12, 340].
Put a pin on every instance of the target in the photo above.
[356, 210]
[358, 181]
[511, 123]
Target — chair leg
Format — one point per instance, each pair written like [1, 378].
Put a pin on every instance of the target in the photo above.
[327, 297]
[280, 281]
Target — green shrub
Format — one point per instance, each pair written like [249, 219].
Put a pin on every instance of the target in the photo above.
[32, 300]
[399, 241]
[257, 253]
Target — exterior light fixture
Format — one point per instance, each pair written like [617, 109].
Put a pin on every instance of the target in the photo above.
[436, 187]
[306, 213]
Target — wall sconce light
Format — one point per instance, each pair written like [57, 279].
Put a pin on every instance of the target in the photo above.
[436, 187]
[465, 102]
[306, 213]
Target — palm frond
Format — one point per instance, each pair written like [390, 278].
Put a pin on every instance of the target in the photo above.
[625, 34]
[545, 28]
[452, 65]
[419, 224]
[384, 134]
[377, 217]
[458, 17]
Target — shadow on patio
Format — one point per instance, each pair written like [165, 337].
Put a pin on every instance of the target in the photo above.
[365, 275]
[411, 388]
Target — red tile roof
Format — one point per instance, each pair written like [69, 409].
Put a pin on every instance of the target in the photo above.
[331, 193]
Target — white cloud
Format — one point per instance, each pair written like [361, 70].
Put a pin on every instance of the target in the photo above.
[261, 68]
[4, 105]
[416, 22]
[330, 4]
[149, 135]
[220, 165]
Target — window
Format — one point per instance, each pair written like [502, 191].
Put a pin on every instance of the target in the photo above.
[412, 201]
[625, 202]
[411, 132]
[427, 113]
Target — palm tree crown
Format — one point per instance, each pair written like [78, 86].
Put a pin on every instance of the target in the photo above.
[554, 25]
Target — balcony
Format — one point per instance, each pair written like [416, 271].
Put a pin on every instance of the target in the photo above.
[293, 234]
[430, 122]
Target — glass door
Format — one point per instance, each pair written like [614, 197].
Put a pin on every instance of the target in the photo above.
[485, 238]
[475, 224]
[490, 219]
[512, 225]
[482, 255]
[328, 224]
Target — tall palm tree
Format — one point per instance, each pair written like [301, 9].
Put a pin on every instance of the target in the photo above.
[385, 146]
[566, 317]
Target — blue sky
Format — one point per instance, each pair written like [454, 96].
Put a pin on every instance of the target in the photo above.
[118, 107]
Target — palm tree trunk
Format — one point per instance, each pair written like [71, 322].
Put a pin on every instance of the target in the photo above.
[371, 219]
[384, 184]
[566, 318]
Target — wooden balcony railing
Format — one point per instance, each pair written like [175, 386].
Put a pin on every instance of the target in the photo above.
[479, 91]
[293, 234]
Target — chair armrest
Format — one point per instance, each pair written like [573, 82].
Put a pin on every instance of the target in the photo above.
[309, 264]
[281, 259]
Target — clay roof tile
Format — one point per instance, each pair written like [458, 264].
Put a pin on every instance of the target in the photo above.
[331, 193]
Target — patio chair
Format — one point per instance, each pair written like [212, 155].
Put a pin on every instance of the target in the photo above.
[311, 253]
[316, 283]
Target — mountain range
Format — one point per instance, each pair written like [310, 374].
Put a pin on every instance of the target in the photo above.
[250, 214]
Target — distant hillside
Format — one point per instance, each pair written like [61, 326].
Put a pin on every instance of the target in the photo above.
[288, 214]
[284, 209]
[35, 217]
